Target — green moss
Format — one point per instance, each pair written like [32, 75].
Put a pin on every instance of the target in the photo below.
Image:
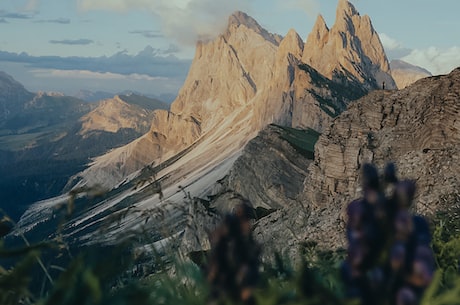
[302, 140]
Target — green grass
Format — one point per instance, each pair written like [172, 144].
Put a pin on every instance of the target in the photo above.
[303, 140]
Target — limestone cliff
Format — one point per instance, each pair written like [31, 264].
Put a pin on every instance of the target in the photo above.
[227, 73]
[276, 161]
[351, 49]
[246, 77]
[417, 128]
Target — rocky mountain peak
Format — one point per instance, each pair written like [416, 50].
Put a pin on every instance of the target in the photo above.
[239, 18]
[350, 50]
[247, 78]
[291, 43]
[114, 114]
[320, 31]
[345, 10]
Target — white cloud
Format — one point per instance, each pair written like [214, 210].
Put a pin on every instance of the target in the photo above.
[393, 48]
[436, 60]
[388, 42]
[184, 20]
[85, 74]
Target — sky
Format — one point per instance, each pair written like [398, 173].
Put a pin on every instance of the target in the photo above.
[147, 45]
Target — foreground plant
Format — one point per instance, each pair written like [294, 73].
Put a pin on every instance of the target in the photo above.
[389, 260]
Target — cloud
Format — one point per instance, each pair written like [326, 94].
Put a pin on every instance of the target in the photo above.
[147, 34]
[185, 21]
[172, 49]
[393, 48]
[436, 60]
[150, 61]
[71, 81]
[85, 74]
[12, 15]
[81, 42]
[3, 20]
[388, 42]
[58, 20]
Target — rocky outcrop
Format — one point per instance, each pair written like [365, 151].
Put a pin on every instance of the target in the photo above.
[417, 128]
[271, 170]
[350, 50]
[406, 74]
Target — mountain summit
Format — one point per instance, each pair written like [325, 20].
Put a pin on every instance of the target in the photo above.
[351, 49]
[242, 81]
[240, 18]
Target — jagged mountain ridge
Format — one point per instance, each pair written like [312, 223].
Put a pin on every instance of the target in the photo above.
[350, 49]
[250, 71]
[237, 84]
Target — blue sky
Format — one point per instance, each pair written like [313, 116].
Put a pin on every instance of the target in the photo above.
[147, 45]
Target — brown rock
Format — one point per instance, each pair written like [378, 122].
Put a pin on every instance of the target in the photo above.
[351, 49]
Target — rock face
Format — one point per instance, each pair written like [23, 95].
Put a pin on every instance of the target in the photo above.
[157, 144]
[351, 49]
[246, 77]
[406, 74]
[239, 83]
[417, 128]
[271, 170]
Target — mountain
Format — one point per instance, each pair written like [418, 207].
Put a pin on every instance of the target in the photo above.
[245, 79]
[90, 96]
[350, 50]
[121, 112]
[13, 96]
[417, 128]
[48, 137]
[405, 74]
[96, 96]
[238, 84]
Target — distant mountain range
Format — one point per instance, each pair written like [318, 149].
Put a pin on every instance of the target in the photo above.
[47, 137]
[90, 96]
[282, 123]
